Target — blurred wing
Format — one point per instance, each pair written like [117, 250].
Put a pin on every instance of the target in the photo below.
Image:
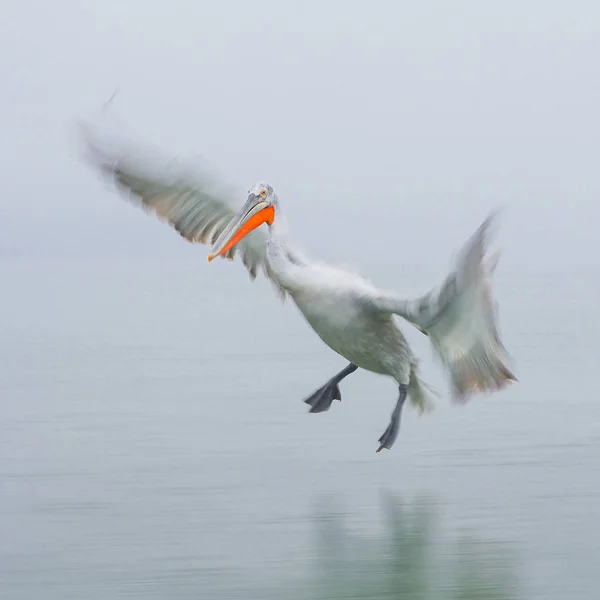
[194, 202]
[460, 319]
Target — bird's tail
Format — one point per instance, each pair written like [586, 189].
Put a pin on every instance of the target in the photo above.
[419, 393]
[460, 318]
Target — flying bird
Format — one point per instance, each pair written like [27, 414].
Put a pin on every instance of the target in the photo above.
[352, 316]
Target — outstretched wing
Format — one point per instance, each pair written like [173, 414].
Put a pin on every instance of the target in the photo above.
[195, 202]
[460, 318]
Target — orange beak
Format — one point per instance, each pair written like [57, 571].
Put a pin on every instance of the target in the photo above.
[252, 215]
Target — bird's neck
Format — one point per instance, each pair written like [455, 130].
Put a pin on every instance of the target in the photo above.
[283, 259]
[279, 228]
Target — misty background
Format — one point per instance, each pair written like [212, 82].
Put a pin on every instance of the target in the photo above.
[379, 124]
[153, 442]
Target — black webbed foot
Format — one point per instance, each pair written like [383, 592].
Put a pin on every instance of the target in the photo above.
[391, 433]
[321, 400]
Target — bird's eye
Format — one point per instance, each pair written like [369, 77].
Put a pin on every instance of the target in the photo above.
[263, 193]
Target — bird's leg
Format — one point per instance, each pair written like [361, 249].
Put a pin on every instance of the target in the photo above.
[389, 435]
[321, 400]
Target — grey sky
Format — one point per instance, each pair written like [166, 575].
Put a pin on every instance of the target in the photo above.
[411, 120]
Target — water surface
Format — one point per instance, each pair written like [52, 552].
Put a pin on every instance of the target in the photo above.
[153, 442]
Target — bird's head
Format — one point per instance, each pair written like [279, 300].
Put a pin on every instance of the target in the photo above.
[258, 209]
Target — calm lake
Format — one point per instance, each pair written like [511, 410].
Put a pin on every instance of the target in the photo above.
[153, 442]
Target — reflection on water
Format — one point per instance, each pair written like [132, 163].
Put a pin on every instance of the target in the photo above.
[407, 559]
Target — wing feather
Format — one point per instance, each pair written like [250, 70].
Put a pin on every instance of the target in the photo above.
[194, 202]
[460, 318]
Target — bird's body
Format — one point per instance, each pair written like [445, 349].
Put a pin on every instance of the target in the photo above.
[333, 302]
[371, 341]
[352, 316]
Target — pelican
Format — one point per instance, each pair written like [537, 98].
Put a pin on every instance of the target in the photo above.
[352, 316]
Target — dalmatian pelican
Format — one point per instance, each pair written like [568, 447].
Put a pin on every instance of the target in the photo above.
[352, 316]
